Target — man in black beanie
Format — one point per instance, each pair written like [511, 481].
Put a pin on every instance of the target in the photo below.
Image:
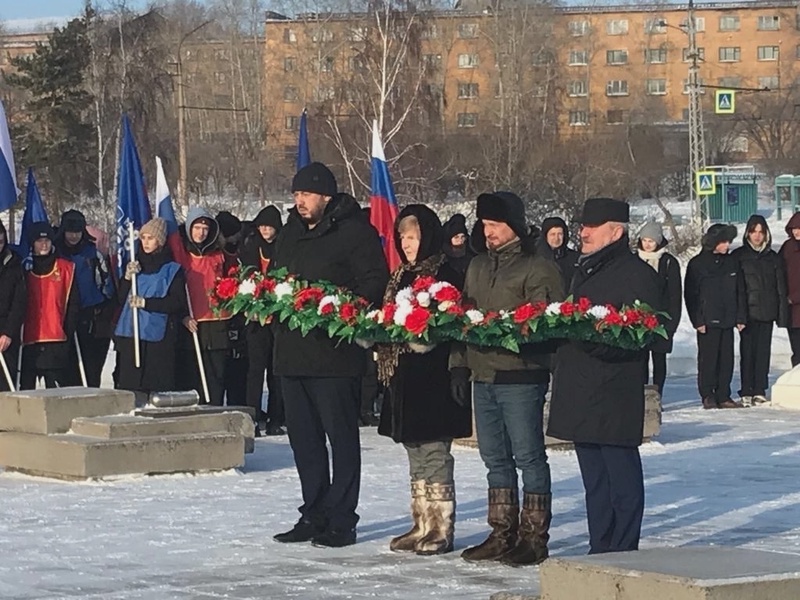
[598, 390]
[325, 238]
[509, 388]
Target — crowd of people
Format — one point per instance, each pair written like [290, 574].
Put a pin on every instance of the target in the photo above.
[61, 306]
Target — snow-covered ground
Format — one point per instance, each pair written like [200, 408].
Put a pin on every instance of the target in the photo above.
[713, 477]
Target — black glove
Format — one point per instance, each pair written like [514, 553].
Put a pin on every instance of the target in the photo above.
[459, 386]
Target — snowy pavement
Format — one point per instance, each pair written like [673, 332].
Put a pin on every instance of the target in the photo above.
[713, 477]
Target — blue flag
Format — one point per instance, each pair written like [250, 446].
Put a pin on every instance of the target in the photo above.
[303, 152]
[34, 212]
[132, 203]
[8, 177]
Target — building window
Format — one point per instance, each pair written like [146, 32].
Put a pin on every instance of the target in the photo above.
[433, 62]
[656, 87]
[617, 27]
[357, 34]
[467, 119]
[291, 123]
[578, 118]
[655, 56]
[322, 35]
[730, 54]
[289, 64]
[429, 32]
[769, 23]
[578, 88]
[654, 26]
[540, 90]
[543, 57]
[769, 83]
[468, 30]
[701, 54]
[221, 54]
[615, 117]
[700, 83]
[289, 36]
[729, 23]
[578, 57]
[699, 24]
[467, 61]
[467, 91]
[219, 77]
[290, 94]
[617, 57]
[617, 87]
[579, 28]
[729, 82]
[326, 64]
[768, 52]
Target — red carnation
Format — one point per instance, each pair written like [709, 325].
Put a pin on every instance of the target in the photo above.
[422, 283]
[456, 309]
[632, 317]
[265, 286]
[226, 288]
[651, 321]
[448, 293]
[613, 318]
[567, 309]
[232, 270]
[417, 320]
[388, 312]
[326, 309]
[348, 312]
[306, 295]
[584, 304]
[524, 313]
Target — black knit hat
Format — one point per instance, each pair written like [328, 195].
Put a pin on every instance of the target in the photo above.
[597, 211]
[73, 221]
[505, 207]
[40, 229]
[315, 178]
[229, 224]
[269, 216]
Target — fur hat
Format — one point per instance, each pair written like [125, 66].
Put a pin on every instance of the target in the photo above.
[717, 233]
[315, 178]
[157, 228]
[505, 207]
[652, 231]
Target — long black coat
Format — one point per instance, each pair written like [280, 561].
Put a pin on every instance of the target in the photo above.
[158, 359]
[13, 294]
[669, 273]
[714, 291]
[598, 391]
[764, 283]
[790, 253]
[344, 249]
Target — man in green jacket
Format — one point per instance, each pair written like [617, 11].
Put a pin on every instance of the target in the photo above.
[509, 389]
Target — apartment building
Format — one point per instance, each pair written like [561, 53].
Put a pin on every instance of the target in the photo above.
[597, 66]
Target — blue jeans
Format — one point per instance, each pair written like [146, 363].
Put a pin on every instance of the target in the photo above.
[508, 419]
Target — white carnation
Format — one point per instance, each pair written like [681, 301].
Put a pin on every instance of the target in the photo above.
[327, 300]
[424, 299]
[404, 296]
[283, 289]
[475, 316]
[375, 315]
[438, 287]
[446, 305]
[247, 287]
[598, 312]
[401, 314]
[554, 308]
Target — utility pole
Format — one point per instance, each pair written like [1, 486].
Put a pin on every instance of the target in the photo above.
[697, 144]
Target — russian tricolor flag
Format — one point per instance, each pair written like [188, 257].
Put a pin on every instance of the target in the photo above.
[382, 201]
[164, 208]
[8, 177]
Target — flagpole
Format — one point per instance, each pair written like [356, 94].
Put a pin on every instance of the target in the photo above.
[137, 359]
[19, 357]
[7, 373]
[197, 351]
[81, 367]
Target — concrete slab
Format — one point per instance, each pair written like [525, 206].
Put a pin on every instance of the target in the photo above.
[690, 573]
[51, 411]
[129, 426]
[69, 456]
[240, 418]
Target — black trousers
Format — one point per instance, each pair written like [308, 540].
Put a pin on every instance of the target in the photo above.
[188, 376]
[236, 367]
[794, 341]
[11, 355]
[715, 363]
[614, 485]
[755, 349]
[94, 351]
[369, 385]
[260, 343]
[318, 408]
[45, 360]
[659, 369]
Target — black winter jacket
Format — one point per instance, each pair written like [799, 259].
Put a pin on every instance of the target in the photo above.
[669, 273]
[343, 249]
[598, 390]
[13, 294]
[565, 257]
[714, 291]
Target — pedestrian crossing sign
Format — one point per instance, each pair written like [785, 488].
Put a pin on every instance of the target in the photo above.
[705, 183]
[725, 102]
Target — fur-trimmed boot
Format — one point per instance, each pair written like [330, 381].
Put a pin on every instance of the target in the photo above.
[503, 518]
[440, 520]
[534, 532]
[408, 541]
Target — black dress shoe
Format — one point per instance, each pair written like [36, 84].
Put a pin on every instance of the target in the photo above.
[274, 429]
[303, 531]
[335, 538]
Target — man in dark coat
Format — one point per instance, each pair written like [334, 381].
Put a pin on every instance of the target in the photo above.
[716, 304]
[456, 244]
[598, 391]
[13, 299]
[509, 389]
[257, 251]
[790, 253]
[766, 303]
[554, 244]
[325, 238]
[652, 249]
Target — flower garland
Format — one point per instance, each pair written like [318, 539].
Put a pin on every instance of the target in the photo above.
[427, 312]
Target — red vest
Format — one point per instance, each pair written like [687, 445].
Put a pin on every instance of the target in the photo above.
[202, 273]
[48, 296]
[264, 262]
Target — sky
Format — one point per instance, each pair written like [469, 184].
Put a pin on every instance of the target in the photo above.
[22, 15]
